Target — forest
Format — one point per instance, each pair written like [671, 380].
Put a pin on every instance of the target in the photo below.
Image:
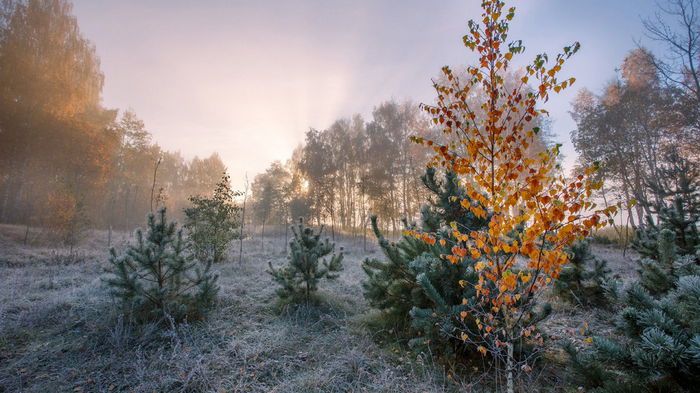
[440, 244]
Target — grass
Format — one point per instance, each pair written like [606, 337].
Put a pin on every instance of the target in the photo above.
[620, 236]
[61, 332]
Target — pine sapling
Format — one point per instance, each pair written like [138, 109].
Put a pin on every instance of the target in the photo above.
[584, 279]
[307, 264]
[159, 277]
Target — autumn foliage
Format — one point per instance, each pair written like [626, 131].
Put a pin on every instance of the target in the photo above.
[486, 147]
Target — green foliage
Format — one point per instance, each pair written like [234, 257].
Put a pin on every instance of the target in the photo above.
[435, 315]
[583, 280]
[659, 321]
[391, 285]
[677, 219]
[159, 276]
[417, 290]
[213, 222]
[445, 207]
[307, 265]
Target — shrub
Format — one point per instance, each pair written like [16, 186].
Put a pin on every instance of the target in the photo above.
[419, 291]
[306, 264]
[487, 132]
[659, 321]
[679, 221]
[213, 222]
[583, 280]
[159, 277]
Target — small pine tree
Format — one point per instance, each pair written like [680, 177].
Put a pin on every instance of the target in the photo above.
[159, 276]
[580, 282]
[675, 218]
[445, 207]
[419, 291]
[213, 222]
[391, 286]
[660, 323]
[307, 265]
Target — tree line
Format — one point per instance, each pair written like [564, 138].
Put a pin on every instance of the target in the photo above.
[66, 161]
[356, 168]
[341, 174]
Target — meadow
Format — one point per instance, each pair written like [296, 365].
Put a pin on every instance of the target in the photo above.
[60, 331]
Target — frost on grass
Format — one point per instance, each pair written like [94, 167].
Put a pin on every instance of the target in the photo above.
[60, 331]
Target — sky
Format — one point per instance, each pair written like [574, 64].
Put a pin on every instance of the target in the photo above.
[247, 79]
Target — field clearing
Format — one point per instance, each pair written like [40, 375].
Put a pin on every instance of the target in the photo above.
[61, 332]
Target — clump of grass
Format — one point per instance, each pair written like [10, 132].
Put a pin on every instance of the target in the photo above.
[620, 236]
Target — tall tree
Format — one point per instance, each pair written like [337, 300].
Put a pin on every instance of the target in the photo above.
[271, 192]
[637, 129]
[681, 36]
[53, 127]
[488, 153]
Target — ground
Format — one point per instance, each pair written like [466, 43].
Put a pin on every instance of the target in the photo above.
[61, 332]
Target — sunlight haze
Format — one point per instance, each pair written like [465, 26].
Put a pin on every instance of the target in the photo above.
[248, 79]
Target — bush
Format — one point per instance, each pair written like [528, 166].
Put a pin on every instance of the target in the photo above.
[583, 280]
[617, 236]
[419, 292]
[159, 277]
[659, 321]
[213, 223]
[300, 277]
[676, 219]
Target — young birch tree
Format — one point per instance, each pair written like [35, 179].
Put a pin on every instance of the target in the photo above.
[487, 149]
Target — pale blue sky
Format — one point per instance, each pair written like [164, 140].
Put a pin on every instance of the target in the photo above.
[248, 78]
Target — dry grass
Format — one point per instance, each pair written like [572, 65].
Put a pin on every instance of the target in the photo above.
[60, 332]
[620, 236]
